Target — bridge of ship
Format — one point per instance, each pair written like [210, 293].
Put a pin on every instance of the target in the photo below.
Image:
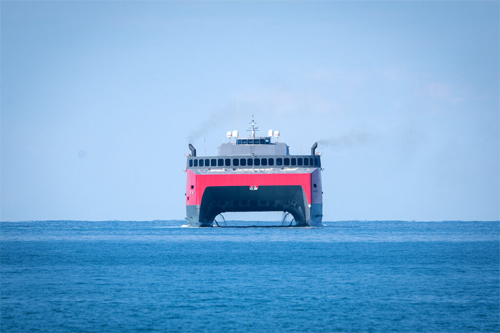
[294, 161]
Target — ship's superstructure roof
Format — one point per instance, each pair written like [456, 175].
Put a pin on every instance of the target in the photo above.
[252, 147]
[254, 153]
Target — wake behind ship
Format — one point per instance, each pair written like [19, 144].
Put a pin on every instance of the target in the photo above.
[254, 174]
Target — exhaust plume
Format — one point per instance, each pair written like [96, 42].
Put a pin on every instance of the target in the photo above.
[346, 141]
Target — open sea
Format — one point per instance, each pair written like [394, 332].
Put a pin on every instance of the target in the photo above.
[158, 276]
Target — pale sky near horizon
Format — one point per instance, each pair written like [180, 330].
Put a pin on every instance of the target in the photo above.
[100, 99]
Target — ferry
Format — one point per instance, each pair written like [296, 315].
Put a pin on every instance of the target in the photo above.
[254, 174]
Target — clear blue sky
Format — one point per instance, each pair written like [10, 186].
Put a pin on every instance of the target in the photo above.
[100, 99]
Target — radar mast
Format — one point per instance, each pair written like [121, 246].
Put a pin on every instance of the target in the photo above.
[252, 128]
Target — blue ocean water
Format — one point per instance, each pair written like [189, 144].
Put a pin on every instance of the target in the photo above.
[375, 276]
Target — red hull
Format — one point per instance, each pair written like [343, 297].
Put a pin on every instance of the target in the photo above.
[197, 183]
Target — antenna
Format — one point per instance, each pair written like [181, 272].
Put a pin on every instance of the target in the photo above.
[252, 128]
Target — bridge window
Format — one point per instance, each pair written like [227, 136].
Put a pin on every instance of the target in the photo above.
[243, 162]
[239, 141]
[236, 161]
[262, 141]
[257, 162]
[220, 162]
[271, 161]
[310, 161]
[268, 141]
[201, 162]
[228, 162]
[250, 162]
[250, 141]
[190, 163]
[264, 161]
[207, 162]
[294, 161]
[195, 163]
[213, 162]
[316, 162]
[279, 161]
[287, 161]
[306, 161]
[244, 141]
[299, 161]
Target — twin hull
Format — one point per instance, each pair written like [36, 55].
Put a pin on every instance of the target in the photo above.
[296, 192]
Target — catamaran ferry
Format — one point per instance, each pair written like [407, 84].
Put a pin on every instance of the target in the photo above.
[254, 174]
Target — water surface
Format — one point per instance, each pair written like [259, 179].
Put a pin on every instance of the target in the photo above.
[375, 276]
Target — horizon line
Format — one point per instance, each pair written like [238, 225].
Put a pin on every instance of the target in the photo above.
[182, 220]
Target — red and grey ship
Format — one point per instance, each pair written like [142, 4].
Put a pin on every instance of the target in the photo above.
[254, 174]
